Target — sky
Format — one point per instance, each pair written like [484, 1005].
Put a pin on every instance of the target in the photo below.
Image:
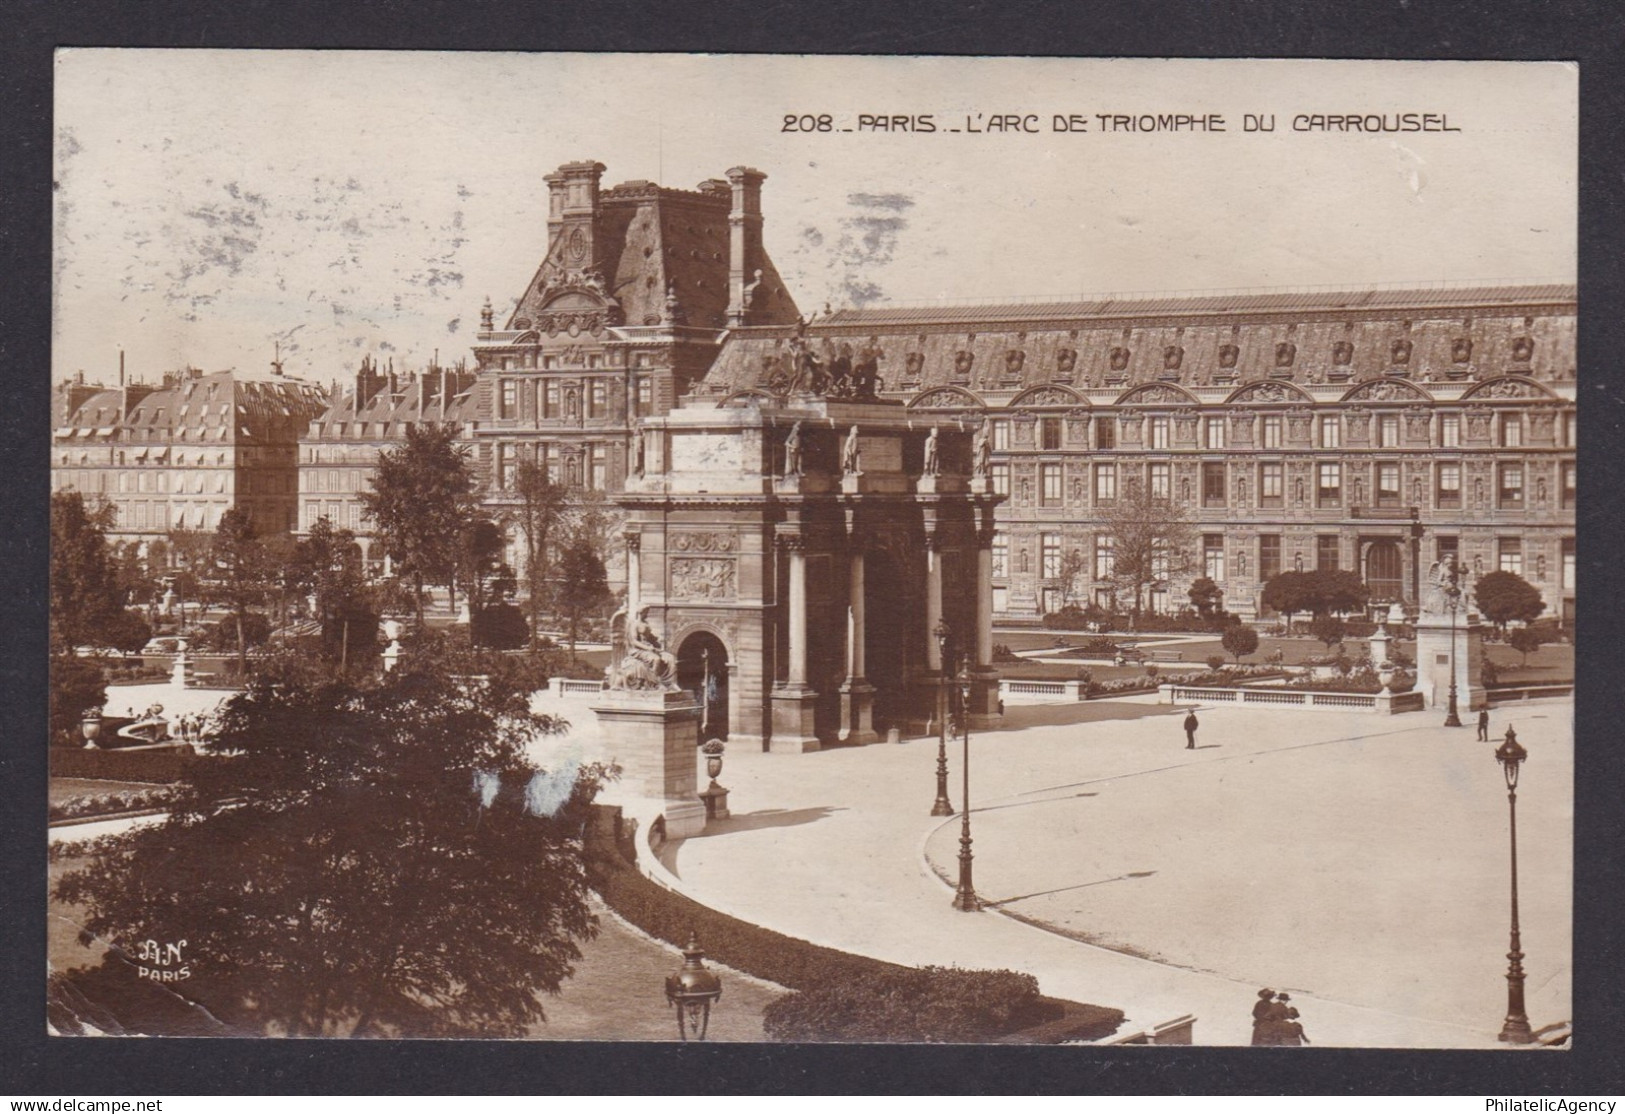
[213, 205]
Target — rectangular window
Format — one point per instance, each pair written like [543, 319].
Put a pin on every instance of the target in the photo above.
[1051, 600]
[551, 403]
[1271, 483]
[1331, 431]
[510, 398]
[1213, 484]
[1328, 552]
[1388, 430]
[1269, 556]
[1105, 483]
[1511, 431]
[1105, 557]
[505, 463]
[1001, 478]
[1049, 433]
[1568, 485]
[1049, 546]
[1001, 554]
[1568, 565]
[1571, 429]
[1511, 487]
[1449, 431]
[1447, 548]
[1387, 483]
[1271, 434]
[1049, 485]
[1509, 555]
[646, 396]
[1329, 485]
[1213, 427]
[1001, 435]
[1447, 485]
[1213, 557]
[550, 464]
[1105, 433]
[598, 458]
[598, 400]
[1161, 481]
[1159, 432]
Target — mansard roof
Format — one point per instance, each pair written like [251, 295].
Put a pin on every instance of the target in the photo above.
[1228, 340]
[188, 407]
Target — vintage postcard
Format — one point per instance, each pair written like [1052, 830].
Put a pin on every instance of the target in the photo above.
[869, 549]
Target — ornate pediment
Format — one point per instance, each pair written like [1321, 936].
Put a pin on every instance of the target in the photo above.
[1508, 386]
[1150, 394]
[1048, 395]
[1269, 390]
[1387, 390]
[945, 398]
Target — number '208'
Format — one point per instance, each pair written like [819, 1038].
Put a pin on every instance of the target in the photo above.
[822, 123]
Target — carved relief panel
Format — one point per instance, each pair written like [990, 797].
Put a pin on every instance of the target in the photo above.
[702, 578]
[1357, 424]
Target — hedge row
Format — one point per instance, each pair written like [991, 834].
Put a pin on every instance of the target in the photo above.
[161, 766]
[836, 995]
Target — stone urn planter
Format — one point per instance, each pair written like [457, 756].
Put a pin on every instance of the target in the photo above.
[714, 796]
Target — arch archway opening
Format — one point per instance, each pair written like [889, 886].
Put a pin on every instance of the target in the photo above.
[702, 672]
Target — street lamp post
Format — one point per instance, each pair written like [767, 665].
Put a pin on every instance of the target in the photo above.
[692, 990]
[1515, 1030]
[965, 899]
[942, 806]
[1452, 595]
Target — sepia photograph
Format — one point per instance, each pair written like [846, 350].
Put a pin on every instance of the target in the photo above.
[787, 548]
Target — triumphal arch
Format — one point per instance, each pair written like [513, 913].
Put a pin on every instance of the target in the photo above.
[798, 550]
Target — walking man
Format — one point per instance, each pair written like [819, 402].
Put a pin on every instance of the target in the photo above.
[1190, 730]
[1483, 725]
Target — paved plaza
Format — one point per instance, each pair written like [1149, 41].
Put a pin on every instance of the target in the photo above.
[1356, 861]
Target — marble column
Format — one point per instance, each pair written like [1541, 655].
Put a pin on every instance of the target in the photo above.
[933, 602]
[857, 695]
[794, 700]
[634, 571]
[984, 600]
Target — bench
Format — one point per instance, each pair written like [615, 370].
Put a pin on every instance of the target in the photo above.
[1167, 655]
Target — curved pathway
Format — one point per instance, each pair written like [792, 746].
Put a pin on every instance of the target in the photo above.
[1357, 861]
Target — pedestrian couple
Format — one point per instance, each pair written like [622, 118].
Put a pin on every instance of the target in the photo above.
[1275, 1021]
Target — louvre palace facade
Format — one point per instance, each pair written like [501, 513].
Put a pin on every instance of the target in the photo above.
[1373, 430]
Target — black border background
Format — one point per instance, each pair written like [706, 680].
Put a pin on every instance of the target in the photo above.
[1587, 31]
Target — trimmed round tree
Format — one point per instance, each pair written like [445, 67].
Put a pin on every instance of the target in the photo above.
[1239, 641]
[1505, 596]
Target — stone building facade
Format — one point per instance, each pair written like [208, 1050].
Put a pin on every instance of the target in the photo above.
[339, 451]
[627, 310]
[1365, 430]
[177, 455]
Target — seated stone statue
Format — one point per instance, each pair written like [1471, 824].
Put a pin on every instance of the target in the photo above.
[639, 659]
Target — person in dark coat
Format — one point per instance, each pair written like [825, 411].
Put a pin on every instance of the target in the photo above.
[1190, 730]
[1483, 725]
[1261, 1011]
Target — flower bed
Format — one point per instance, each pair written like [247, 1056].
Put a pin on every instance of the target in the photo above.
[107, 804]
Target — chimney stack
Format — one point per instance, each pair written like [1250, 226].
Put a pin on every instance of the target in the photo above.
[572, 206]
[744, 238]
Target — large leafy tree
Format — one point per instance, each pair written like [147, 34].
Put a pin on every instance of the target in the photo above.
[1505, 596]
[362, 859]
[583, 586]
[541, 506]
[423, 499]
[326, 564]
[86, 595]
[1153, 543]
[1320, 592]
[241, 575]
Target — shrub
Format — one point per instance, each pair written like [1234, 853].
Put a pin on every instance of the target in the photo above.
[1525, 640]
[930, 1004]
[501, 627]
[1239, 641]
[1152, 670]
[1329, 629]
[1215, 662]
[76, 686]
[223, 635]
[1099, 647]
[1070, 617]
[1002, 653]
[1488, 674]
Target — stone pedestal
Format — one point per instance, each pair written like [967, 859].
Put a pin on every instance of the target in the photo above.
[1379, 646]
[857, 712]
[793, 720]
[1433, 661]
[715, 800]
[180, 674]
[653, 734]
